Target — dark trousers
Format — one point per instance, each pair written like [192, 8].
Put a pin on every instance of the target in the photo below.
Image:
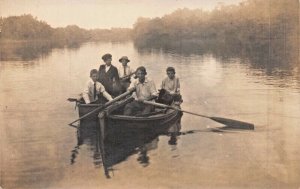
[136, 107]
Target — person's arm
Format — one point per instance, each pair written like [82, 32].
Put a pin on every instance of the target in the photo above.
[99, 74]
[107, 96]
[117, 78]
[153, 91]
[133, 88]
[85, 94]
[104, 93]
[178, 86]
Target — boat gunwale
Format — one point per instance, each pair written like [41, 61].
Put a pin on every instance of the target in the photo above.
[110, 109]
[89, 105]
[136, 118]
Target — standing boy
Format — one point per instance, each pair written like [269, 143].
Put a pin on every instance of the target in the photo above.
[108, 76]
[125, 73]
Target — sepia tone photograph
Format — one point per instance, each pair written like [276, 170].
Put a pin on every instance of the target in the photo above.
[166, 94]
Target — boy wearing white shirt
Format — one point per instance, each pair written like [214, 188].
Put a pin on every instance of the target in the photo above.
[170, 88]
[93, 89]
[144, 90]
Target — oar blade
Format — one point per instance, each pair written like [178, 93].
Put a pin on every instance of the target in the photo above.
[234, 123]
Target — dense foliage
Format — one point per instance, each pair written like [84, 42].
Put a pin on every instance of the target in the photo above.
[26, 27]
[269, 26]
[259, 29]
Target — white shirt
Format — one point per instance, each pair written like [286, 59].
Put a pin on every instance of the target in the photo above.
[107, 68]
[143, 90]
[88, 92]
[128, 70]
[171, 85]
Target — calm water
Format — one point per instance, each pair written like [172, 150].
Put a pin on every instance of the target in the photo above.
[40, 150]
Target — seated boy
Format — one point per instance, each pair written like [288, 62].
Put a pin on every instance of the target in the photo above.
[93, 89]
[144, 90]
[170, 88]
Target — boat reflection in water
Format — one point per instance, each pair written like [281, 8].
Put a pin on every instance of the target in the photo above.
[121, 142]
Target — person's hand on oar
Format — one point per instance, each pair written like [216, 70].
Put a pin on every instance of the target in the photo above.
[229, 122]
[105, 105]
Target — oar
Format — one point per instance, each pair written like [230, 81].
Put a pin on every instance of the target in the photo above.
[102, 149]
[105, 105]
[225, 121]
[127, 76]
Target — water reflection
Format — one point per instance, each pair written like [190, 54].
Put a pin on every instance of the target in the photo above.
[30, 50]
[273, 57]
[121, 144]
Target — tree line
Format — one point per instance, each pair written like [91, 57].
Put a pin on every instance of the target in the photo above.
[26, 28]
[268, 26]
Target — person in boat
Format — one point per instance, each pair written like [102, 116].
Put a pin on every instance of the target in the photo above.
[93, 89]
[125, 72]
[170, 88]
[144, 90]
[108, 76]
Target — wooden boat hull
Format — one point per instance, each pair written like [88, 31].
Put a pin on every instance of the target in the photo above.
[86, 108]
[162, 119]
[152, 122]
[112, 120]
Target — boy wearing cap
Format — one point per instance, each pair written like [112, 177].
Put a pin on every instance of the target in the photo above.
[108, 75]
[93, 89]
[125, 72]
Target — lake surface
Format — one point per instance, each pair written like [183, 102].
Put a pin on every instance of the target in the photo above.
[40, 150]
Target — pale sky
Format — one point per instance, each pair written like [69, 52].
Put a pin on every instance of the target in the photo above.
[100, 13]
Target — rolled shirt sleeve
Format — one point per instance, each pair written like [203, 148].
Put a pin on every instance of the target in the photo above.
[132, 85]
[101, 89]
[107, 96]
[85, 94]
[153, 90]
[178, 86]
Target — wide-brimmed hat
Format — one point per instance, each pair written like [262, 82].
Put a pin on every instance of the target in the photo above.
[106, 56]
[124, 58]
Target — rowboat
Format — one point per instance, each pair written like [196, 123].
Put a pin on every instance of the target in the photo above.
[160, 118]
[112, 122]
[113, 126]
[113, 115]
